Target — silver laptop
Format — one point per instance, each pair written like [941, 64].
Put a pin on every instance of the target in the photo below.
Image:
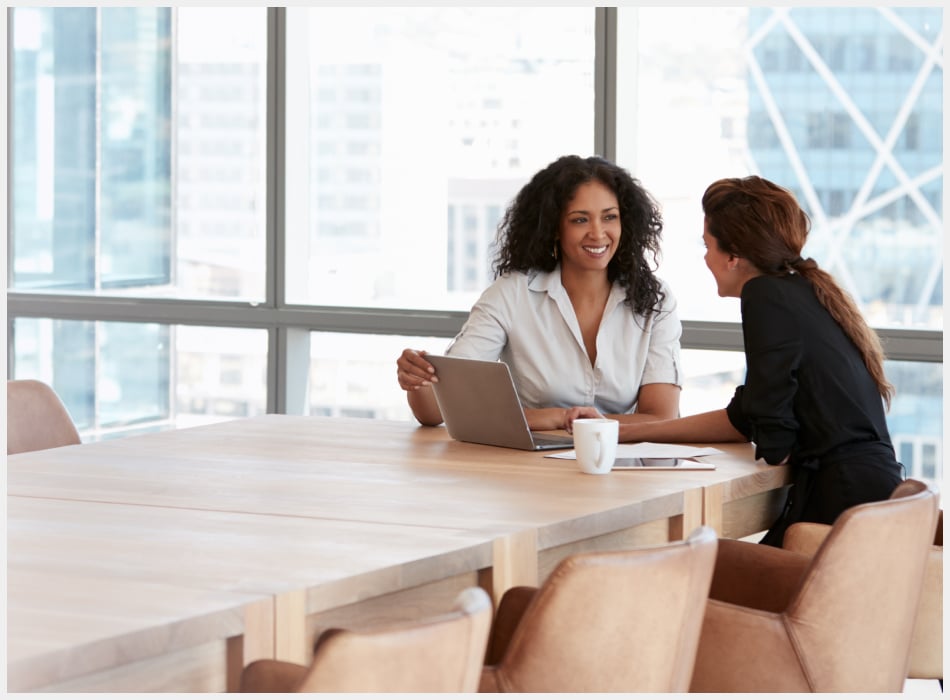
[479, 403]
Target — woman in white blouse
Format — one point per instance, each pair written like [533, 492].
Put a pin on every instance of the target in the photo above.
[576, 310]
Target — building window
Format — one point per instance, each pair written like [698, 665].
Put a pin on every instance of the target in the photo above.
[911, 136]
[829, 130]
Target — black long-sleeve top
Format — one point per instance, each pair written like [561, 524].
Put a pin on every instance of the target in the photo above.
[807, 392]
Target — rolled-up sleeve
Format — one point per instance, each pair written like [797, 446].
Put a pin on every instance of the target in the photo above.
[663, 356]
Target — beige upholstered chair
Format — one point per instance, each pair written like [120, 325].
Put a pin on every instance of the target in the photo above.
[605, 622]
[840, 621]
[440, 654]
[926, 649]
[36, 418]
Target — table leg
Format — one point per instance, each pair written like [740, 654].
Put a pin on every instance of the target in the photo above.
[290, 628]
[514, 563]
[712, 507]
[257, 642]
[692, 517]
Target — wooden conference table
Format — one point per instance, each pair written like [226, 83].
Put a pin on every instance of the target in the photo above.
[169, 561]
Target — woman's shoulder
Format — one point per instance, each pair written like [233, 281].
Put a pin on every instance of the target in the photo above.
[776, 292]
[776, 286]
[509, 287]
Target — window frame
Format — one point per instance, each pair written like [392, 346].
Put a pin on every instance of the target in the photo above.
[289, 325]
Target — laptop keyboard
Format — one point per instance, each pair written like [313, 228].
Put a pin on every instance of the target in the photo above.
[542, 439]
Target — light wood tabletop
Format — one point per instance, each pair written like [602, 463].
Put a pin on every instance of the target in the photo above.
[276, 527]
[93, 585]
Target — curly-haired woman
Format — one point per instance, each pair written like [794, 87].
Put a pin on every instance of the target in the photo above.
[815, 389]
[575, 310]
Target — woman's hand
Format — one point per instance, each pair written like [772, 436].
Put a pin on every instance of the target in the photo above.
[576, 412]
[413, 371]
[545, 418]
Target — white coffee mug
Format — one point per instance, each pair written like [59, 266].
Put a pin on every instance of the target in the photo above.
[595, 444]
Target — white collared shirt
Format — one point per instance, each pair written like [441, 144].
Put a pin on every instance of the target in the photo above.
[527, 321]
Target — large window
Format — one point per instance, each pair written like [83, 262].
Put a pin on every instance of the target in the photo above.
[209, 224]
[799, 96]
[414, 128]
[139, 151]
[119, 378]
[807, 98]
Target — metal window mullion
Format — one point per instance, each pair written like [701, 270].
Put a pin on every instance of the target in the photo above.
[899, 344]
[605, 82]
[97, 226]
[278, 377]
[7, 31]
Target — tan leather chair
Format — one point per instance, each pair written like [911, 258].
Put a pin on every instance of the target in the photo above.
[838, 621]
[441, 654]
[926, 648]
[605, 622]
[36, 418]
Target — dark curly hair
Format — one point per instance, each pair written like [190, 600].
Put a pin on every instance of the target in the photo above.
[528, 233]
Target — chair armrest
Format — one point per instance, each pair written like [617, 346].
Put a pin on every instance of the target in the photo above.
[489, 680]
[756, 575]
[511, 609]
[805, 538]
[745, 650]
[272, 676]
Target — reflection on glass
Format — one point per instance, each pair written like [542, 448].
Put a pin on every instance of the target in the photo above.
[413, 113]
[119, 379]
[844, 106]
[138, 150]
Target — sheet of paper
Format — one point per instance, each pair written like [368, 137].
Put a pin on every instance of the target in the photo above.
[651, 449]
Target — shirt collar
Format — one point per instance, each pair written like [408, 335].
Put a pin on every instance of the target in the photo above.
[550, 282]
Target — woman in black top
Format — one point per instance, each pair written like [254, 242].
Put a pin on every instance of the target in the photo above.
[815, 388]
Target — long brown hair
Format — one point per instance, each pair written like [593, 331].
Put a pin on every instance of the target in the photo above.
[755, 219]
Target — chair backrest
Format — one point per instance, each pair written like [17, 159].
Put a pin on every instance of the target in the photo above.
[442, 654]
[625, 621]
[926, 649]
[36, 418]
[858, 597]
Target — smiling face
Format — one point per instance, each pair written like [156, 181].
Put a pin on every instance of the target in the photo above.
[590, 228]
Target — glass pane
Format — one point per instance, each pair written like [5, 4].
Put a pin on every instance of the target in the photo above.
[119, 379]
[916, 417]
[844, 106]
[354, 374]
[417, 132]
[138, 152]
[710, 379]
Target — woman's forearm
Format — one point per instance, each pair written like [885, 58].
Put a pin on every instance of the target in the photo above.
[424, 406]
[713, 426]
